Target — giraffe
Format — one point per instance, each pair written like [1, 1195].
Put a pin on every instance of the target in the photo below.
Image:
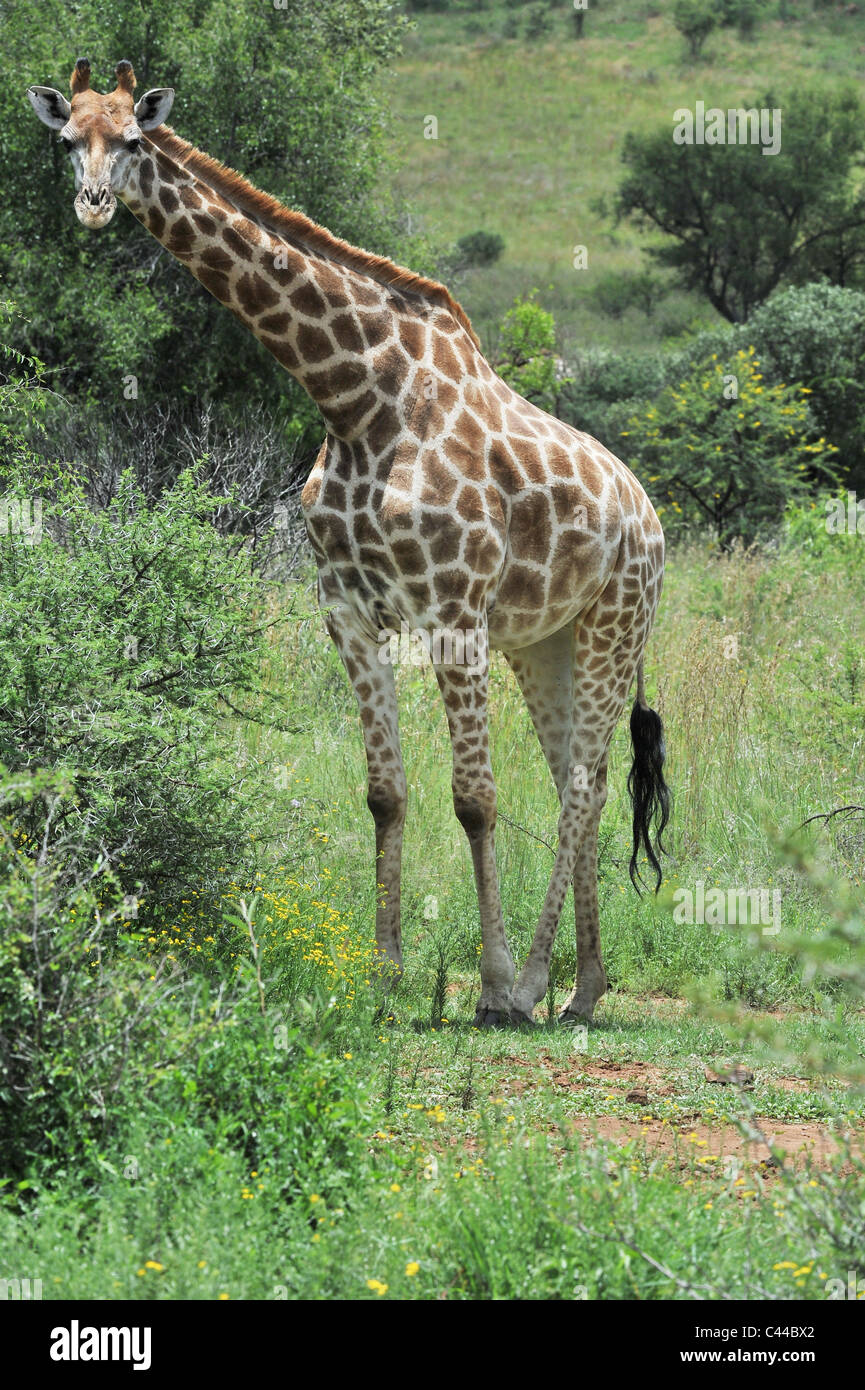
[441, 501]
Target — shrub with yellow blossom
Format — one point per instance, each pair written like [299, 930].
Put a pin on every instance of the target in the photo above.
[724, 450]
[289, 927]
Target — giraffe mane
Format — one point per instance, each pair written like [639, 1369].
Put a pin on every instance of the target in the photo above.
[252, 201]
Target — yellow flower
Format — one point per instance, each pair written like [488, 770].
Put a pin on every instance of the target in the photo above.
[377, 1286]
[151, 1264]
[223, 1297]
[411, 1269]
[315, 1197]
[395, 1187]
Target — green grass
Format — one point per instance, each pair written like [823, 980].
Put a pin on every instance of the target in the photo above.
[427, 1170]
[530, 136]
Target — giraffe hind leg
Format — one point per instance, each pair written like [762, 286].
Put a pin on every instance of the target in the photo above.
[607, 647]
[544, 673]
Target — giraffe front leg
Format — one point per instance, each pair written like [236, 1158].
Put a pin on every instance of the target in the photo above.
[464, 692]
[373, 684]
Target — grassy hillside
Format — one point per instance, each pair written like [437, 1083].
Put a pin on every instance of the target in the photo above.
[530, 134]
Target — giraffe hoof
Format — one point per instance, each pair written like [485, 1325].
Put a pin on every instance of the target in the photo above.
[520, 1019]
[489, 1018]
[568, 1019]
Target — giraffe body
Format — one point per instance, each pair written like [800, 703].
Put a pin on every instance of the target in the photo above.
[528, 552]
[441, 500]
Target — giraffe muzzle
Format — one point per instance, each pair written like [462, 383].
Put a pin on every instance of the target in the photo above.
[95, 206]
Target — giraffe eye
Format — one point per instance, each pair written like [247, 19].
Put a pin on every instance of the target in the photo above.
[134, 144]
[66, 142]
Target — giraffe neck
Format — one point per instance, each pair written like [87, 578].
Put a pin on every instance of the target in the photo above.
[339, 332]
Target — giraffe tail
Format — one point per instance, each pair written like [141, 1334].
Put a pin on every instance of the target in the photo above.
[649, 793]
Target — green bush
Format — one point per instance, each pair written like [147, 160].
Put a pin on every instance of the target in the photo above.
[127, 637]
[813, 335]
[616, 292]
[606, 388]
[537, 22]
[527, 352]
[727, 451]
[744, 15]
[86, 1020]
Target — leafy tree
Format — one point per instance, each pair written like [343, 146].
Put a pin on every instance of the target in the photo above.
[727, 450]
[706, 198]
[480, 248]
[290, 96]
[695, 20]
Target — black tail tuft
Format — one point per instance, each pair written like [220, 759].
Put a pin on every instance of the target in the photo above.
[648, 791]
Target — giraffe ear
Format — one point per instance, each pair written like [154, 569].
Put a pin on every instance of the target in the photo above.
[50, 106]
[154, 106]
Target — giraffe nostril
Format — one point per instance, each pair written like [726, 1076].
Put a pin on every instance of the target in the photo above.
[96, 197]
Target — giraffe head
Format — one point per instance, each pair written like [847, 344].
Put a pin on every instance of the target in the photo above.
[101, 133]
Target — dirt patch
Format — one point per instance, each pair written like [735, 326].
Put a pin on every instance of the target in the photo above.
[690, 1140]
[644, 1076]
[627, 1075]
[580, 1067]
